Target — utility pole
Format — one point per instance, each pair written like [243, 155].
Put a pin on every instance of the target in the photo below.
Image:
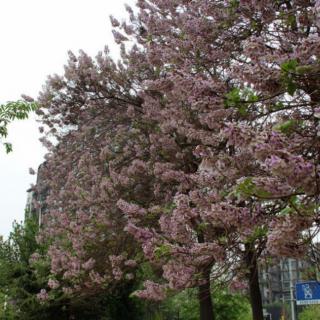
[292, 299]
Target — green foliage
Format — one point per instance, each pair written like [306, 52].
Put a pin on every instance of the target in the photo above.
[169, 207]
[102, 306]
[286, 211]
[185, 305]
[8, 146]
[240, 99]
[291, 72]
[233, 98]
[289, 66]
[234, 4]
[162, 251]
[231, 306]
[21, 281]
[304, 69]
[296, 205]
[16, 110]
[288, 70]
[18, 283]
[11, 111]
[310, 313]
[291, 21]
[259, 232]
[288, 126]
[247, 188]
[227, 306]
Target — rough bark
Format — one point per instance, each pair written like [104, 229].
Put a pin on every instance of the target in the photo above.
[204, 292]
[205, 300]
[254, 289]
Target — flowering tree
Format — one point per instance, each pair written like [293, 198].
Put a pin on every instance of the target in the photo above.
[89, 112]
[238, 92]
[205, 136]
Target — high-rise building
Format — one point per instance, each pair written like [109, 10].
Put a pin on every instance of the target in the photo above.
[36, 204]
[277, 285]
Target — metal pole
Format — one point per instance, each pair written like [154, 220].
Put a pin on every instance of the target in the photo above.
[282, 288]
[292, 300]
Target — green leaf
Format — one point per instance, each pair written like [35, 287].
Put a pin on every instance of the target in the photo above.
[240, 99]
[288, 69]
[285, 211]
[234, 3]
[233, 98]
[279, 105]
[291, 87]
[291, 21]
[247, 188]
[169, 207]
[243, 110]
[289, 66]
[287, 126]
[162, 251]
[258, 233]
[3, 131]
[304, 69]
[11, 111]
[8, 147]
[149, 38]
[202, 226]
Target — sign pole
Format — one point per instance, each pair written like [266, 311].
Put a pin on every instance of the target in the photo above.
[292, 300]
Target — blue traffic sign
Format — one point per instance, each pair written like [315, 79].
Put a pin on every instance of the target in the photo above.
[308, 292]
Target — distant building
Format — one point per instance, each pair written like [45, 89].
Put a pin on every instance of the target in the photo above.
[277, 284]
[36, 204]
[275, 279]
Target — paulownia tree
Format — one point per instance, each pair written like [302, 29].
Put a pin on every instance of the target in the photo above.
[238, 86]
[88, 112]
[205, 136]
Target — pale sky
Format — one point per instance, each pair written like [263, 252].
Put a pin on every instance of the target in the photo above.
[35, 36]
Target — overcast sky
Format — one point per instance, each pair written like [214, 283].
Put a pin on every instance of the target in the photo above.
[35, 36]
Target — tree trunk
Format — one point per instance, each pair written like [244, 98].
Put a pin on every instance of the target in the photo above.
[254, 289]
[204, 292]
[205, 300]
